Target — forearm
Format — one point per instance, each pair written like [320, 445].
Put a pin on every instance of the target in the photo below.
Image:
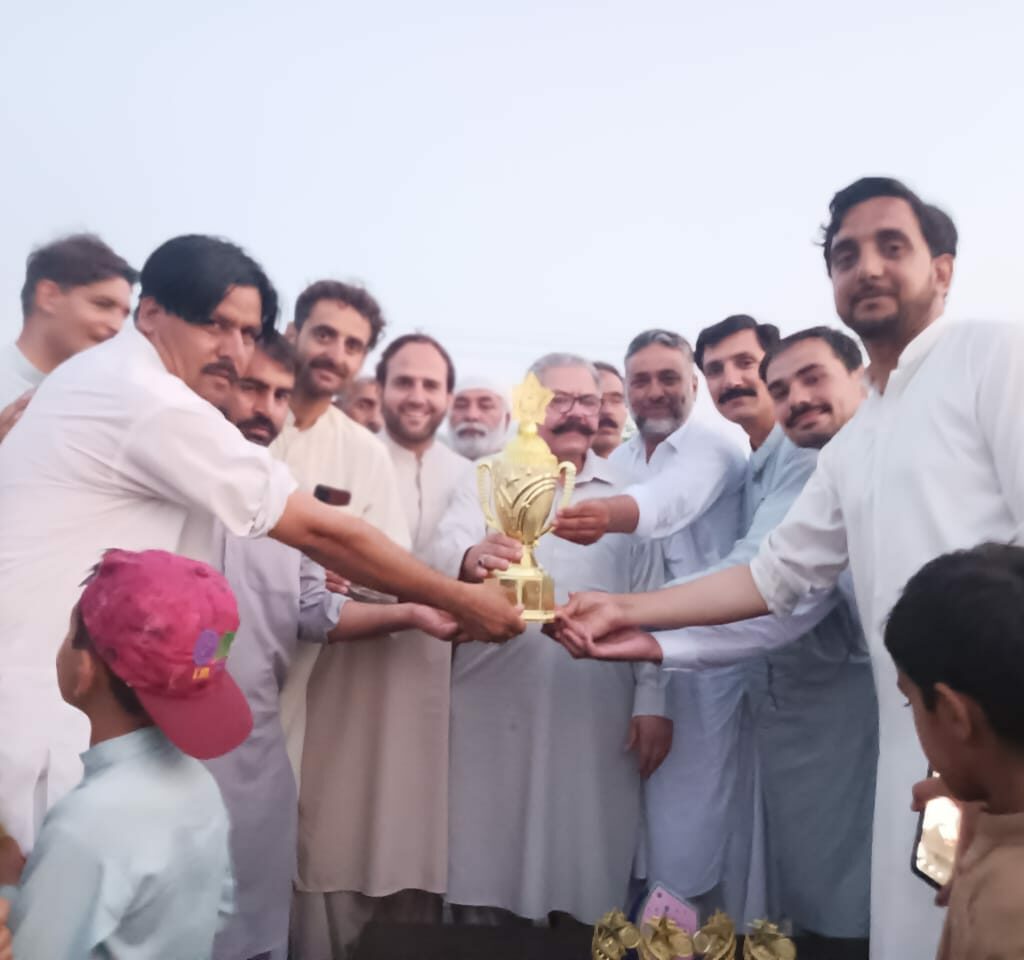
[358, 621]
[623, 514]
[352, 548]
[722, 597]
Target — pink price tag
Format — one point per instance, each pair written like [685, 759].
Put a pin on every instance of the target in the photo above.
[662, 902]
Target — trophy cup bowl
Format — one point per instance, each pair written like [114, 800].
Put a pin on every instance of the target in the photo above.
[517, 491]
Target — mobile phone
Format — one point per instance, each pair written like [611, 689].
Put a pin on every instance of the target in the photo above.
[938, 830]
[332, 496]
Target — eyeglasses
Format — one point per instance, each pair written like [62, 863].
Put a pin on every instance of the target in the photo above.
[562, 403]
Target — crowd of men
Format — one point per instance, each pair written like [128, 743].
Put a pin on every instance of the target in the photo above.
[713, 710]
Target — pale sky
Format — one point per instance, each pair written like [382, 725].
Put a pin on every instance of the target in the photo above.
[515, 178]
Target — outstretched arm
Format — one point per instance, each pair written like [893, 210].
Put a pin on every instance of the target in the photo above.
[351, 547]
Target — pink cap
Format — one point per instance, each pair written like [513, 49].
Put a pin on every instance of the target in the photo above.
[164, 625]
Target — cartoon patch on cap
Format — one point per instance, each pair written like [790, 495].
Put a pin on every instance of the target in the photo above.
[210, 649]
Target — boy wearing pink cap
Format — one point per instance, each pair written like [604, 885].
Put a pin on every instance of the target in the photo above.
[134, 861]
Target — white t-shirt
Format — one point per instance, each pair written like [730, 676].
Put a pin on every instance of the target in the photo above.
[17, 374]
[113, 451]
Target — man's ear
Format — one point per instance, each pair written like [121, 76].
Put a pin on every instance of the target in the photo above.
[943, 265]
[45, 296]
[954, 711]
[147, 315]
[88, 673]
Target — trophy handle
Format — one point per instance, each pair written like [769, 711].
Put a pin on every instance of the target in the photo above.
[569, 484]
[484, 494]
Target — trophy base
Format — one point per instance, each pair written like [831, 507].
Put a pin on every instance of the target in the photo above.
[529, 587]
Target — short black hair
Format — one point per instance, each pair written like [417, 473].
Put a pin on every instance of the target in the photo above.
[125, 696]
[843, 346]
[350, 295]
[190, 275]
[608, 368]
[767, 334]
[946, 235]
[960, 621]
[396, 345]
[73, 261]
[935, 229]
[279, 349]
[665, 338]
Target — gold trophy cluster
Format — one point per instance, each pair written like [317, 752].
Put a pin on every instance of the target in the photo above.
[663, 939]
[517, 492]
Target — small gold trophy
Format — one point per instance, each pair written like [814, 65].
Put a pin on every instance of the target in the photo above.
[521, 483]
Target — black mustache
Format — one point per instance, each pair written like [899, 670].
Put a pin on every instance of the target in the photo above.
[579, 426]
[607, 422]
[797, 412]
[726, 395]
[871, 290]
[325, 363]
[222, 368]
[260, 422]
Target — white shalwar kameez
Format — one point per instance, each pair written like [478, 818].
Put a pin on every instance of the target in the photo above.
[545, 802]
[113, 451]
[934, 463]
[700, 803]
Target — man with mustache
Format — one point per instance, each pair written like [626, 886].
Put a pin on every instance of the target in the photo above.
[545, 803]
[613, 410]
[479, 420]
[77, 293]
[282, 600]
[361, 402]
[919, 471]
[116, 447]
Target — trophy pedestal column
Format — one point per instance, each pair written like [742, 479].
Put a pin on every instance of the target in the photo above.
[529, 587]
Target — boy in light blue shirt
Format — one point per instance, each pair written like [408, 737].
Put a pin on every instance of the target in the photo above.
[134, 862]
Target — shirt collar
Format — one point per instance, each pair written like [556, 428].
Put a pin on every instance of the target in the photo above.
[914, 354]
[402, 454]
[119, 749]
[25, 368]
[759, 458]
[597, 469]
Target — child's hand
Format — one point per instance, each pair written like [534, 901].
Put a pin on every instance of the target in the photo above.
[12, 862]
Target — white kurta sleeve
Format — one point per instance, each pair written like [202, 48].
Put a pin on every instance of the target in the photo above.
[697, 648]
[647, 572]
[1000, 401]
[667, 504]
[193, 456]
[319, 608]
[807, 551]
[462, 526]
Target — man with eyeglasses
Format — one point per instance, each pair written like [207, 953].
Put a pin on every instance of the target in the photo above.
[544, 802]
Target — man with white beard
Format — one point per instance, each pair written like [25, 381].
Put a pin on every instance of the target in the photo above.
[479, 419]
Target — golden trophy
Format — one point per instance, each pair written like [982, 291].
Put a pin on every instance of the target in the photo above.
[521, 483]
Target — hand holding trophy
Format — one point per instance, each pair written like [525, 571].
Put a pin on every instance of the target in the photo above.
[517, 492]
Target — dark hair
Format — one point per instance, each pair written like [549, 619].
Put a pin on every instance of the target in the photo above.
[608, 368]
[190, 275]
[935, 229]
[348, 294]
[844, 347]
[665, 338]
[960, 621]
[396, 345]
[73, 261]
[767, 334]
[279, 349]
[946, 234]
[125, 696]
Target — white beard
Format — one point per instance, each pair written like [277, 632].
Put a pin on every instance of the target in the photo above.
[473, 445]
